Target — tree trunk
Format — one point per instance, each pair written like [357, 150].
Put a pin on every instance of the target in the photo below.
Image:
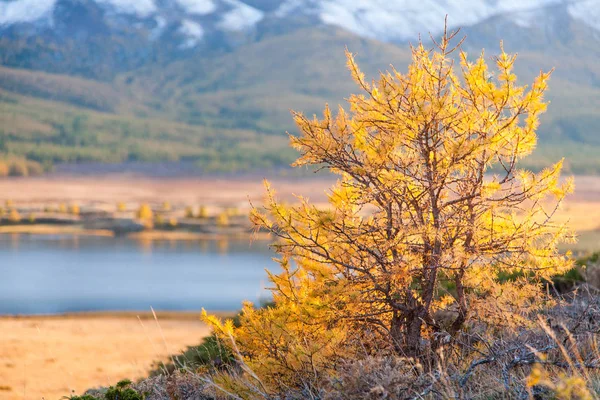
[405, 333]
[413, 336]
[396, 333]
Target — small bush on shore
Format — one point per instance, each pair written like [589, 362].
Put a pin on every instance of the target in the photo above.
[121, 391]
[145, 212]
[74, 209]
[202, 212]
[4, 169]
[223, 219]
[14, 216]
[20, 168]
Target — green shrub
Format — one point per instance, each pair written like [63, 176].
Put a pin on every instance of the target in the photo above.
[34, 168]
[18, 168]
[84, 397]
[211, 354]
[122, 391]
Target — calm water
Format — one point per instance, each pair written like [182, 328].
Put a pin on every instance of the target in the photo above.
[63, 274]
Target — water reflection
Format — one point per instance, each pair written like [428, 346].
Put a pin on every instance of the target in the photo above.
[49, 274]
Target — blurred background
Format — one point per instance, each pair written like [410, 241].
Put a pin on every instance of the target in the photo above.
[205, 86]
[134, 132]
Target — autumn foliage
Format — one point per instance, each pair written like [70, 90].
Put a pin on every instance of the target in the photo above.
[431, 217]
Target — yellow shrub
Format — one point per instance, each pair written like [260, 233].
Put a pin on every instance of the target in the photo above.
[145, 212]
[223, 219]
[4, 169]
[565, 386]
[202, 212]
[14, 215]
[189, 212]
[121, 207]
[294, 343]
[74, 209]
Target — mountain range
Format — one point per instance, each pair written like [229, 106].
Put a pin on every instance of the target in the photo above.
[212, 81]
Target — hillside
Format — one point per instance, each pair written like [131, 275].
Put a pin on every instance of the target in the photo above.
[96, 81]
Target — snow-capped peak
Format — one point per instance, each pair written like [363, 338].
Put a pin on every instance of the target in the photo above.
[192, 31]
[240, 16]
[140, 8]
[13, 12]
[401, 20]
[386, 20]
[198, 7]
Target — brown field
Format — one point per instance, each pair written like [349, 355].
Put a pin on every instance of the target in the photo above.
[234, 192]
[48, 357]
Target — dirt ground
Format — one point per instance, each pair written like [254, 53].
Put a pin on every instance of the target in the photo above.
[48, 357]
[234, 192]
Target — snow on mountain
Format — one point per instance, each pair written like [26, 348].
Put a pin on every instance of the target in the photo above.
[192, 31]
[402, 20]
[198, 7]
[24, 11]
[387, 20]
[140, 8]
[587, 11]
[240, 17]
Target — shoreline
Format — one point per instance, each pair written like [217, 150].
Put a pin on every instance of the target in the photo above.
[116, 314]
[152, 234]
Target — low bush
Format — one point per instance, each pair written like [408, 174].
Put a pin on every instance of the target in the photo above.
[121, 391]
[202, 212]
[223, 219]
[145, 212]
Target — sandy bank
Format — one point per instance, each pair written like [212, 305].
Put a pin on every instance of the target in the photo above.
[48, 357]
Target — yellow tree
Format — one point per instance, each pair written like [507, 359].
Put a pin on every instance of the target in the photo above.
[430, 213]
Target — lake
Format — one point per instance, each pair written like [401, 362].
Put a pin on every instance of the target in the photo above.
[53, 274]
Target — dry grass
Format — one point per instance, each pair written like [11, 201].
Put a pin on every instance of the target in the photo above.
[50, 356]
[232, 192]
